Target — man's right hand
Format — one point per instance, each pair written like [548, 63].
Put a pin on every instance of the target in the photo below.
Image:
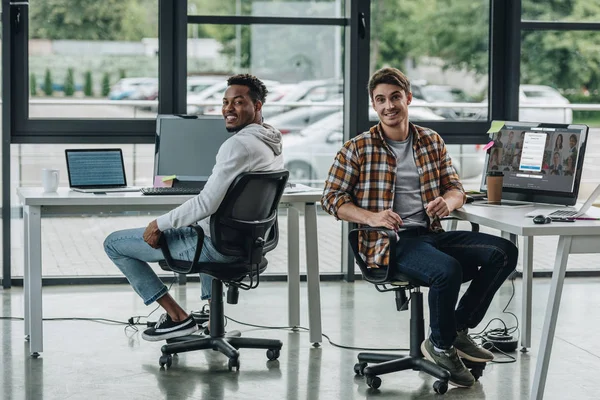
[386, 218]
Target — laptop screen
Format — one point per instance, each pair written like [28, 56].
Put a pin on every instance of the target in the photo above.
[541, 162]
[88, 168]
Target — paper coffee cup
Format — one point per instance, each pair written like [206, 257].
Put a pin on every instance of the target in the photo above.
[494, 186]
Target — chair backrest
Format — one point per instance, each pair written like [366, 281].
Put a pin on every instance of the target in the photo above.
[245, 223]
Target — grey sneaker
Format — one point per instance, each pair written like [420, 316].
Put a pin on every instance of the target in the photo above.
[448, 359]
[467, 348]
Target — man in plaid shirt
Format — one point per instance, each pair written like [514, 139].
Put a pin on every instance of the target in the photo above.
[399, 176]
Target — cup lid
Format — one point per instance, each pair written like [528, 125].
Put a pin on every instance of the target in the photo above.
[495, 173]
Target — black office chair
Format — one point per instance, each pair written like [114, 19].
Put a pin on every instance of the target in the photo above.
[245, 225]
[385, 281]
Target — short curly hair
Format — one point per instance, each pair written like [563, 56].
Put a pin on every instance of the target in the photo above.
[258, 90]
[392, 76]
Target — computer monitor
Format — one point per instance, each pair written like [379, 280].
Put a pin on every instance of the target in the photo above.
[541, 162]
[187, 146]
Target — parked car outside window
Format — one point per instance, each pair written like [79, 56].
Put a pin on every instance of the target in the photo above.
[543, 95]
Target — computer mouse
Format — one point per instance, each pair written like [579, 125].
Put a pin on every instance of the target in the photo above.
[541, 219]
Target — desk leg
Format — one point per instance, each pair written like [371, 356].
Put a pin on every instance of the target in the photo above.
[527, 291]
[34, 272]
[558, 278]
[293, 267]
[312, 273]
[26, 316]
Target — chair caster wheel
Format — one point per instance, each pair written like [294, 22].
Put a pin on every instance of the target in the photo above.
[359, 368]
[374, 382]
[273, 354]
[233, 363]
[440, 387]
[165, 359]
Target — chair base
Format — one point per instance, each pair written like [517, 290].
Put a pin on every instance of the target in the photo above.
[387, 363]
[218, 341]
[227, 345]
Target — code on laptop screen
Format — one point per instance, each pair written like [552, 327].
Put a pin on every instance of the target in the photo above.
[91, 168]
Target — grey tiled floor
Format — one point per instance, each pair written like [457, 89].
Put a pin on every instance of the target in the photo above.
[86, 360]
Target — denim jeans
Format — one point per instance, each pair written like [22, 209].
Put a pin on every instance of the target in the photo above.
[131, 255]
[444, 261]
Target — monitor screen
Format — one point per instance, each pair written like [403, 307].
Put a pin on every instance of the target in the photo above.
[187, 146]
[541, 162]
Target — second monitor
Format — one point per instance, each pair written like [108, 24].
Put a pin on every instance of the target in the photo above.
[541, 162]
[187, 146]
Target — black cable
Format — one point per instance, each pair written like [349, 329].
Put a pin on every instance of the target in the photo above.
[499, 331]
[304, 329]
[135, 320]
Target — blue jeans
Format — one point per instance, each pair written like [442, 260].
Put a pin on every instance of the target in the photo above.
[131, 255]
[444, 261]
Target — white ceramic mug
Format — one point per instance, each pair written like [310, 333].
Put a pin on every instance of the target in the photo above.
[50, 180]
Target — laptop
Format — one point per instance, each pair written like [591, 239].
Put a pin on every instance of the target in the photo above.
[97, 171]
[567, 212]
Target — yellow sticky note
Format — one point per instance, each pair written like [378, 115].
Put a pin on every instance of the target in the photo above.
[169, 178]
[496, 126]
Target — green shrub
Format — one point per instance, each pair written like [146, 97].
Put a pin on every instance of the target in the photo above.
[69, 88]
[122, 74]
[105, 84]
[88, 88]
[32, 85]
[48, 90]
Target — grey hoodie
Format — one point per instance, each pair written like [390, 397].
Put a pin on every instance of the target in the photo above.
[254, 148]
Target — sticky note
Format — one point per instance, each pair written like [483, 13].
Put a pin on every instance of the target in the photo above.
[496, 126]
[159, 181]
[169, 178]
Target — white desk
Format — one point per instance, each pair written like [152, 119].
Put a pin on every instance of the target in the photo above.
[37, 205]
[574, 238]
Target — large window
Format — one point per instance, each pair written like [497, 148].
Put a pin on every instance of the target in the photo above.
[86, 55]
[446, 60]
[562, 10]
[304, 76]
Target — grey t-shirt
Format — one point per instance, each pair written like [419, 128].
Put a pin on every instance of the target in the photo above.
[407, 196]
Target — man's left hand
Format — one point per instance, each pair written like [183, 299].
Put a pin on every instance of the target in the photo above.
[438, 208]
[152, 234]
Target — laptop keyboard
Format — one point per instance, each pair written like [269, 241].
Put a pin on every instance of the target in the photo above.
[561, 213]
[151, 191]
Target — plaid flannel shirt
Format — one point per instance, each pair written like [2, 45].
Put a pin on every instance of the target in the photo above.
[364, 173]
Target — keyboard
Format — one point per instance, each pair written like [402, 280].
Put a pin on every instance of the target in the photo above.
[563, 213]
[152, 191]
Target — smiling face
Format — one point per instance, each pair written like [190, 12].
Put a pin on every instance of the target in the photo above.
[559, 142]
[239, 110]
[391, 104]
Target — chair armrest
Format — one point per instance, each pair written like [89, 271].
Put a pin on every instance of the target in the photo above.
[175, 265]
[366, 271]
